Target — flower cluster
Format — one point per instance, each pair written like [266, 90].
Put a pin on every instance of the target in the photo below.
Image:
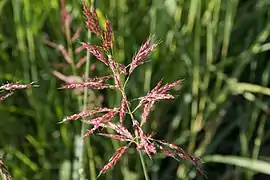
[103, 117]
[8, 89]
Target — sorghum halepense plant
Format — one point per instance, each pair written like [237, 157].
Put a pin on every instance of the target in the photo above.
[102, 117]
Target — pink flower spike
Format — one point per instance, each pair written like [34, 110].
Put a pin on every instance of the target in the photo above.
[116, 75]
[2, 98]
[92, 21]
[89, 132]
[14, 86]
[100, 79]
[77, 116]
[146, 110]
[84, 114]
[95, 50]
[115, 136]
[107, 38]
[123, 109]
[144, 51]
[179, 152]
[114, 159]
[120, 129]
[144, 141]
[145, 45]
[92, 85]
[156, 88]
[168, 87]
[122, 68]
[99, 120]
[95, 121]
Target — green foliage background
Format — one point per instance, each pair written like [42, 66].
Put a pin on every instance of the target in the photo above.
[220, 48]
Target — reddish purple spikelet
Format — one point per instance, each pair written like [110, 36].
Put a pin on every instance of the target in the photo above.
[168, 87]
[114, 159]
[122, 68]
[123, 110]
[176, 152]
[156, 94]
[100, 79]
[96, 51]
[2, 98]
[92, 21]
[113, 66]
[180, 152]
[107, 38]
[159, 93]
[78, 116]
[99, 120]
[84, 114]
[14, 86]
[120, 129]
[115, 136]
[156, 88]
[144, 51]
[146, 110]
[144, 141]
[92, 85]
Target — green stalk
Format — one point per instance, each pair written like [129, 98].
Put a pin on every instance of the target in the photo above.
[140, 153]
[196, 80]
[144, 166]
[84, 126]
[122, 91]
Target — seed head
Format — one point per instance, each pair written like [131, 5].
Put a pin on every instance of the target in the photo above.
[2, 98]
[107, 38]
[100, 120]
[115, 136]
[114, 159]
[139, 58]
[92, 21]
[96, 51]
[14, 86]
[123, 110]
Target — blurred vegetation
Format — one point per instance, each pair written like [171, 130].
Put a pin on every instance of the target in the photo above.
[220, 48]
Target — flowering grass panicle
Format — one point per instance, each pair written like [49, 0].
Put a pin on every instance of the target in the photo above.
[144, 142]
[9, 89]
